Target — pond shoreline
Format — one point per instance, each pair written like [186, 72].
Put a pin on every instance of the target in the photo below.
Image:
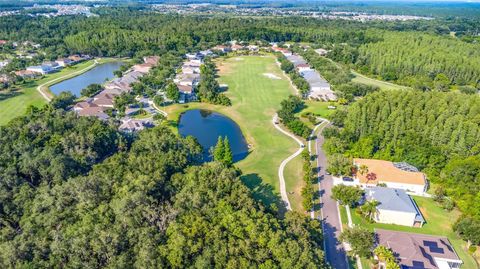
[45, 88]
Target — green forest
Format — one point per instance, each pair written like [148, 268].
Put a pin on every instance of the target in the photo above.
[76, 193]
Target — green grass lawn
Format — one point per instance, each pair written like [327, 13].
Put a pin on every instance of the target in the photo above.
[14, 105]
[359, 78]
[438, 222]
[255, 98]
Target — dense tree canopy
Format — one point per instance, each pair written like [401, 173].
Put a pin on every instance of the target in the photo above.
[75, 193]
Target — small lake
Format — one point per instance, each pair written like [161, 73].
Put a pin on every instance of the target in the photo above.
[206, 126]
[97, 75]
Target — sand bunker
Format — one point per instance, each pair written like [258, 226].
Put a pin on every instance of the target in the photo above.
[272, 76]
[238, 59]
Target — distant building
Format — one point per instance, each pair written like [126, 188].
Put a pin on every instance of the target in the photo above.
[26, 74]
[41, 69]
[419, 250]
[236, 47]
[64, 62]
[321, 52]
[319, 87]
[134, 125]
[395, 207]
[222, 48]
[303, 67]
[296, 60]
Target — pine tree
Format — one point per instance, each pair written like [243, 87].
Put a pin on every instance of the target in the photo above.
[228, 155]
[219, 150]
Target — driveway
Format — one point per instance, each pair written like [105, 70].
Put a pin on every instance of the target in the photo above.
[332, 227]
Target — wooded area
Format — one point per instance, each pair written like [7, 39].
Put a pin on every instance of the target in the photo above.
[76, 193]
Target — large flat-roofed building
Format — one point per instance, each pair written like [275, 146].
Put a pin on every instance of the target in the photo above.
[319, 87]
[419, 251]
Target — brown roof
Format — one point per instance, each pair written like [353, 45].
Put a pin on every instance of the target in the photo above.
[385, 171]
[153, 60]
[185, 89]
[417, 250]
[94, 111]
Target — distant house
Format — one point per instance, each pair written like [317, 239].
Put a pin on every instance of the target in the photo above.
[319, 87]
[252, 48]
[284, 51]
[206, 53]
[222, 48]
[134, 125]
[142, 68]
[187, 93]
[419, 251]
[395, 207]
[321, 52]
[303, 67]
[41, 69]
[53, 65]
[64, 62]
[26, 74]
[3, 42]
[194, 56]
[236, 47]
[187, 79]
[153, 60]
[188, 69]
[296, 60]
[104, 99]
[88, 109]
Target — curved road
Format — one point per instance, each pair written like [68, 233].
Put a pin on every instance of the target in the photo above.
[330, 217]
[281, 178]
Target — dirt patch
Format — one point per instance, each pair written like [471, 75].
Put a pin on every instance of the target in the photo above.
[271, 76]
[238, 59]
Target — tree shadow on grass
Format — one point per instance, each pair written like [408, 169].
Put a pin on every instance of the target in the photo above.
[9, 94]
[264, 192]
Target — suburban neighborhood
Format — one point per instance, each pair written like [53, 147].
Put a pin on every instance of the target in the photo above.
[240, 134]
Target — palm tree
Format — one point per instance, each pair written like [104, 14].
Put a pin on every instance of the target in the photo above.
[363, 169]
[369, 209]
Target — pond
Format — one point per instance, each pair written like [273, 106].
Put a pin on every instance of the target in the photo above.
[206, 126]
[97, 75]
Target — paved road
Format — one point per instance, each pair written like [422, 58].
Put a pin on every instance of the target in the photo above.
[283, 189]
[332, 226]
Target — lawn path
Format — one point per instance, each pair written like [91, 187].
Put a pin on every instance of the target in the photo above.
[281, 168]
[46, 94]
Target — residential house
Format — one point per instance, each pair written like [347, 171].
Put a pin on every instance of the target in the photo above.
[319, 87]
[398, 175]
[187, 79]
[236, 47]
[321, 52]
[153, 60]
[419, 251]
[88, 109]
[222, 48]
[53, 65]
[41, 69]
[26, 74]
[284, 51]
[302, 67]
[64, 62]
[296, 60]
[188, 69]
[395, 207]
[142, 68]
[194, 56]
[134, 125]
[104, 99]
[253, 48]
[206, 53]
[187, 93]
